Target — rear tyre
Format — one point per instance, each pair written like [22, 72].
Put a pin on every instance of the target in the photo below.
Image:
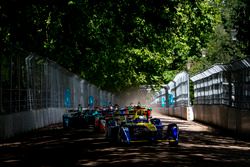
[173, 134]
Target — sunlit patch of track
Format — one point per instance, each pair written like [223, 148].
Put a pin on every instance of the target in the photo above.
[199, 145]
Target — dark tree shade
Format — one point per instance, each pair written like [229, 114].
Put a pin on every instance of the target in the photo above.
[113, 45]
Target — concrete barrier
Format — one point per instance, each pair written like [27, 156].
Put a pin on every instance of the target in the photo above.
[180, 112]
[221, 116]
[16, 123]
[225, 117]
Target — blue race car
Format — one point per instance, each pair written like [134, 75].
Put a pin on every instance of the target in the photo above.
[137, 127]
[79, 118]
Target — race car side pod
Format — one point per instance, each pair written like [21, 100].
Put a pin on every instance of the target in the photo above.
[173, 134]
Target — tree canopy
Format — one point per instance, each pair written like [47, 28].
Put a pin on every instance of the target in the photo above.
[231, 37]
[113, 44]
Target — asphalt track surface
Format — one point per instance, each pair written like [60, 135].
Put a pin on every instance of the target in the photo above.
[55, 147]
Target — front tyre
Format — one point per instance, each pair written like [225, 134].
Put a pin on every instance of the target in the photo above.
[65, 123]
[119, 138]
[123, 136]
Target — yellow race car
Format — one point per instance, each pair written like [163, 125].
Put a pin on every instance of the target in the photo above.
[137, 126]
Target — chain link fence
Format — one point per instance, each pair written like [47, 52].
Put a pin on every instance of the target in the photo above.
[13, 82]
[175, 93]
[31, 83]
[179, 90]
[227, 84]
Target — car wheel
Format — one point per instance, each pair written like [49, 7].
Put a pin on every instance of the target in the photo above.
[119, 136]
[65, 123]
[173, 134]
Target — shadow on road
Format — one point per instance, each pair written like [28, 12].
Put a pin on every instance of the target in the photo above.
[54, 147]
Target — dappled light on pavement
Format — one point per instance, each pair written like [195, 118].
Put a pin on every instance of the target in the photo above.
[199, 145]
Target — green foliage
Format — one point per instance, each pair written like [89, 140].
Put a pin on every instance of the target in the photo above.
[113, 45]
[230, 38]
[199, 64]
[239, 20]
[220, 47]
